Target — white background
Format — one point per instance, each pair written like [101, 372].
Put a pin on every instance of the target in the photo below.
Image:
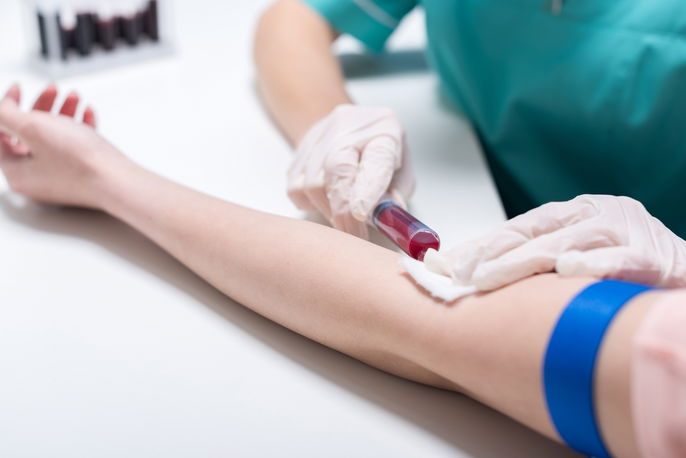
[110, 348]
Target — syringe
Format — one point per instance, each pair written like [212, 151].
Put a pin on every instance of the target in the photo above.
[407, 232]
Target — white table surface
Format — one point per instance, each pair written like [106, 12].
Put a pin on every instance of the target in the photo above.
[110, 348]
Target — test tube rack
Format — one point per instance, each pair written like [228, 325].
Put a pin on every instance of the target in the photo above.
[75, 36]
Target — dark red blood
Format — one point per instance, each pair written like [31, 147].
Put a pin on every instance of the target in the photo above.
[150, 24]
[407, 232]
[107, 33]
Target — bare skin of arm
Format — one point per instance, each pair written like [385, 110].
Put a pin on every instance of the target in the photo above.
[356, 299]
[299, 76]
[332, 287]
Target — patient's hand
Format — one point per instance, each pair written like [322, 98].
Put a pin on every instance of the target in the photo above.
[53, 158]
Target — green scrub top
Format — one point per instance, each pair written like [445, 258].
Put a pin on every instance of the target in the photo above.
[567, 97]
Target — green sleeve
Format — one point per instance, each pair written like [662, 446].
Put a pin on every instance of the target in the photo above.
[370, 21]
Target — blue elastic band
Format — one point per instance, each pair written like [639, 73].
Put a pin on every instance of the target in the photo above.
[570, 362]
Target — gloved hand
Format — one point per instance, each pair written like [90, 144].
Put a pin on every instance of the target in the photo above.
[596, 235]
[347, 161]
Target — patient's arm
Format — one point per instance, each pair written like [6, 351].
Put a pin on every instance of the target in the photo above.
[329, 286]
[353, 296]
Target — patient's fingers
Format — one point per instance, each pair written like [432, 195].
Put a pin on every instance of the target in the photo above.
[10, 121]
[70, 105]
[9, 108]
[5, 152]
[11, 146]
[11, 117]
[89, 117]
[13, 93]
[5, 142]
[46, 99]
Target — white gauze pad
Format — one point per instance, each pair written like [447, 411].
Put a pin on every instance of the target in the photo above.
[439, 286]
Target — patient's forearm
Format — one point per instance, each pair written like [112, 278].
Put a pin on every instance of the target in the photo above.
[325, 284]
[351, 295]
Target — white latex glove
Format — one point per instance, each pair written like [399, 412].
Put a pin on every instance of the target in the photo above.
[347, 161]
[596, 235]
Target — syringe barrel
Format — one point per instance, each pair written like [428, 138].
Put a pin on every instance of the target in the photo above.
[407, 232]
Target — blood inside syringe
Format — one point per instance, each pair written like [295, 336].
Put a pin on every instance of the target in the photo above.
[407, 232]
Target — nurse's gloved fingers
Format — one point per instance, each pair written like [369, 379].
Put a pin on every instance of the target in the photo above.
[437, 263]
[340, 171]
[539, 255]
[296, 192]
[465, 257]
[312, 185]
[622, 263]
[346, 223]
[553, 216]
[338, 222]
[89, 118]
[13, 93]
[540, 222]
[316, 195]
[296, 186]
[70, 104]
[300, 200]
[359, 229]
[403, 183]
[397, 197]
[501, 272]
[46, 99]
[378, 162]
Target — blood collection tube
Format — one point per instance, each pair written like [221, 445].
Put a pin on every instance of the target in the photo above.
[150, 26]
[106, 28]
[130, 29]
[407, 232]
[84, 30]
[130, 25]
[66, 20]
[43, 34]
[84, 35]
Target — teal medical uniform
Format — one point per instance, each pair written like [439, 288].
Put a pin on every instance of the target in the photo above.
[568, 97]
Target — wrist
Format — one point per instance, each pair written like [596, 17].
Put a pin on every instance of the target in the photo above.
[112, 175]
